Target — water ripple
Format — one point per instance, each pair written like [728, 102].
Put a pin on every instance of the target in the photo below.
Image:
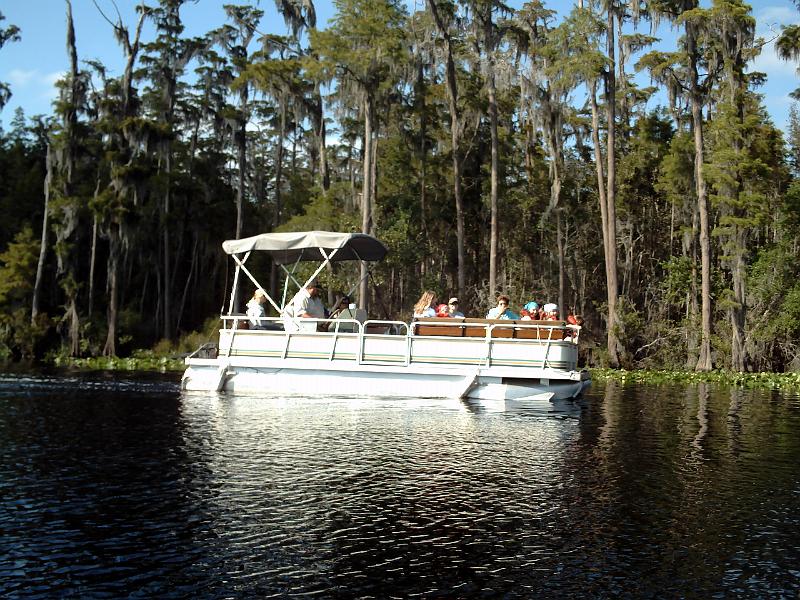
[135, 490]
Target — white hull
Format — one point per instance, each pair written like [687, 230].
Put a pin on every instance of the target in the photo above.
[397, 366]
[387, 383]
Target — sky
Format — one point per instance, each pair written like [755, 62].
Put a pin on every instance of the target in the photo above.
[33, 65]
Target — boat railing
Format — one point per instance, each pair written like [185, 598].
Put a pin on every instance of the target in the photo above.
[545, 331]
[309, 325]
[405, 343]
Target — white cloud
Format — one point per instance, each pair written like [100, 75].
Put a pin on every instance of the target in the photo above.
[33, 78]
[20, 78]
[776, 15]
[50, 79]
[47, 83]
[768, 62]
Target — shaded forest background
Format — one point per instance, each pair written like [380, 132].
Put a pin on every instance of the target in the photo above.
[493, 150]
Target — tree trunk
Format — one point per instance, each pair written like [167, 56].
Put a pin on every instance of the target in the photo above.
[319, 128]
[452, 94]
[110, 348]
[423, 152]
[739, 311]
[562, 280]
[704, 362]
[610, 239]
[610, 258]
[689, 245]
[552, 129]
[37, 286]
[192, 267]
[92, 263]
[366, 195]
[167, 329]
[241, 143]
[279, 151]
[493, 237]
[276, 217]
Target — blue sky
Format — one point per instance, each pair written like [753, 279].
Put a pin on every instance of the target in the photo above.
[32, 65]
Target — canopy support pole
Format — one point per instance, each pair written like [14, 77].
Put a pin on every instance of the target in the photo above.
[317, 272]
[239, 265]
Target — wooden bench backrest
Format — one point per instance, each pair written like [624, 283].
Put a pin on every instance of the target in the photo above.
[543, 332]
[504, 328]
[439, 326]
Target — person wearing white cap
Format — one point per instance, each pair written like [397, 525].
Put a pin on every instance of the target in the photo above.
[551, 311]
[452, 307]
[306, 303]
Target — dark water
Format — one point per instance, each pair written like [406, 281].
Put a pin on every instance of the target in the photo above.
[117, 486]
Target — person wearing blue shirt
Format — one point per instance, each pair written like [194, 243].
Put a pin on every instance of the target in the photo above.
[452, 307]
[501, 311]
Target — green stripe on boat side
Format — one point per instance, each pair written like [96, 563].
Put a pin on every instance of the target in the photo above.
[278, 354]
[394, 358]
[264, 353]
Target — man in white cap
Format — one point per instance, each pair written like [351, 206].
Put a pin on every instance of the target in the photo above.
[306, 303]
[452, 308]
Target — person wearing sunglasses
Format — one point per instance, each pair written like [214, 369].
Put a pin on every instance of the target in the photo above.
[452, 308]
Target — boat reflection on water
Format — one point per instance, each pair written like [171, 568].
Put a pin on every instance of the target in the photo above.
[571, 407]
[568, 407]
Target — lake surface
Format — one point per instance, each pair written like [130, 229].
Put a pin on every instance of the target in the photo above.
[119, 485]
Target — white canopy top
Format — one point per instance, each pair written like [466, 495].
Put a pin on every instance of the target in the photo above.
[286, 248]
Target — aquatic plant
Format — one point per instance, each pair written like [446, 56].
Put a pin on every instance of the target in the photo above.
[729, 378]
[140, 360]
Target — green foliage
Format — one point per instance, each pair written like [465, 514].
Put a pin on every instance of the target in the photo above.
[774, 308]
[676, 283]
[187, 343]
[18, 336]
[791, 207]
[363, 45]
[140, 361]
[325, 212]
[676, 171]
[18, 269]
[784, 381]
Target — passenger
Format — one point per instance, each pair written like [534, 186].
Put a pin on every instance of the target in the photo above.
[532, 309]
[550, 312]
[452, 307]
[443, 311]
[524, 315]
[255, 309]
[571, 318]
[342, 305]
[424, 307]
[306, 304]
[501, 311]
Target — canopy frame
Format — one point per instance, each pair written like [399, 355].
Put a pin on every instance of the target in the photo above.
[324, 246]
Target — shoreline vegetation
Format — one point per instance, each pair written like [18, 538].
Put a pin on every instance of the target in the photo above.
[143, 360]
[763, 380]
[148, 360]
